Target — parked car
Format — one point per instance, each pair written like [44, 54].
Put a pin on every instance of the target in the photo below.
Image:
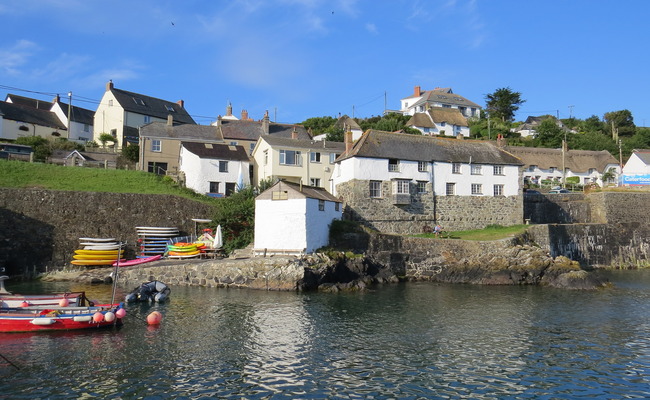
[531, 191]
[557, 191]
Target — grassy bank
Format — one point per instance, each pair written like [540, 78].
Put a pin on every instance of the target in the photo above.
[16, 174]
[492, 232]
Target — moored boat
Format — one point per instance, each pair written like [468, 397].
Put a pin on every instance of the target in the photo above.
[48, 318]
[8, 299]
[149, 291]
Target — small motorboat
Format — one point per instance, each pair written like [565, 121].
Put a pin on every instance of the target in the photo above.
[8, 299]
[48, 318]
[149, 291]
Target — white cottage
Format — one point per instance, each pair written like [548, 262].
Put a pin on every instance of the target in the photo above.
[293, 219]
[214, 169]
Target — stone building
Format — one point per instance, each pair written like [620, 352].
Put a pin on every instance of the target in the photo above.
[403, 183]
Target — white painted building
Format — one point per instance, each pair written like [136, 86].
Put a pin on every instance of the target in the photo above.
[438, 97]
[437, 121]
[637, 169]
[293, 219]
[216, 170]
[413, 164]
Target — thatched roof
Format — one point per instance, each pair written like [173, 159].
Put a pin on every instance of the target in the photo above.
[575, 160]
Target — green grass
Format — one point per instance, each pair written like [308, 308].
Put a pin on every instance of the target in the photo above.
[492, 232]
[17, 174]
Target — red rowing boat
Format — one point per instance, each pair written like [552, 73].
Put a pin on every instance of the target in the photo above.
[46, 318]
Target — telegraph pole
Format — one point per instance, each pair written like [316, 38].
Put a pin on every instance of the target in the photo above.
[69, 112]
[570, 112]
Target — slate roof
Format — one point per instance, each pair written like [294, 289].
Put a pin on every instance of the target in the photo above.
[252, 130]
[78, 114]
[310, 192]
[644, 155]
[197, 132]
[444, 95]
[575, 160]
[147, 105]
[438, 114]
[31, 115]
[380, 144]
[28, 101]
[216, 151]
[335, 147]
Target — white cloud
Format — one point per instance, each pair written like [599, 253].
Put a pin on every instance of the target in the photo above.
[14, 57]
[372, 28]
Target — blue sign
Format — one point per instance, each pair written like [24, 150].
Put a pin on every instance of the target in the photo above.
[636, 179]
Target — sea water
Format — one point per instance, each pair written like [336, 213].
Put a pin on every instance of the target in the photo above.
[397, 341]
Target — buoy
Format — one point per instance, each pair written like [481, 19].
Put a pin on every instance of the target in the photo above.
[98, 317]
[154, 318]
[64, 302]
[24, 304]
[109, 316]
[121, 313]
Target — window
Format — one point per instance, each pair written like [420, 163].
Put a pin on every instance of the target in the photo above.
[532, 168]
[476, 170]
[266, 157]
[333, 157]
[280, 195]
[157, 168]
[314, 182]
[114, 133]
[592, 170]
[477, 188]
[251, 147]
[138, 101]
[169, 108]
[443, 124]
[498, 190]
[393, 165]
[321, 205]
[223, 166]
[86, 128]
[233, 143]
[290, 157]
[455, 168]
[422, 166]
[498, 170]
[337, 206]
[402, 186]
[214, 187]
[375, 189]
[427, 130]
[110, 103]
[230, 188]
[552, 169]
[147, 119]
[422, 186]
[450, 188]
[156, 146]
[314, 157]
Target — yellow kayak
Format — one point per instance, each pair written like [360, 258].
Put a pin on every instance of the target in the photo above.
[95, 256]
[97, 252]
[93, 262]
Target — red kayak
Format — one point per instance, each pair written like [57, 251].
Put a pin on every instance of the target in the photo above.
[137, 261]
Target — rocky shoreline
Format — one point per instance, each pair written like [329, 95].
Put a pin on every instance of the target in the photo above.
[332, 272]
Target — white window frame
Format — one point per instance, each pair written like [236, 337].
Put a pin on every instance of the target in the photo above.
[477, 189]
[455, 168]
[314, 182]
[297, 157]
[423, 166]
[498, 170]
[375, 190]
[223, 166]
[422, 187]
[402, 186]
[333, 157]
[156, 145]
[498, 190]
[393, 165]
[450, 188]
[476, 169]
[314, 157]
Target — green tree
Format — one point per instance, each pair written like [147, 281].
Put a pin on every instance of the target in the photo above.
[620, 123]
[131, 153]
[335, 135]
[319, 125]
[39, 144]
[593, 124]
[549, 134]
[106, 137]
[236, 215]
[503, 103]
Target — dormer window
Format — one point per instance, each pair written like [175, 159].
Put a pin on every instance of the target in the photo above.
[138, 101]
[169, 108]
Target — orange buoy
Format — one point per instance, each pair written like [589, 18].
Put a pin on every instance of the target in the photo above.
[98, 317]
[154, 318]
[64, 302]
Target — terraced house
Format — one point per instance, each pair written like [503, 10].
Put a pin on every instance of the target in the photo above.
[401, 183]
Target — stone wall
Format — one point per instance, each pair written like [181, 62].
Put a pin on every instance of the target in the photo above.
[40, 229]
[557, 208]
[425, 210]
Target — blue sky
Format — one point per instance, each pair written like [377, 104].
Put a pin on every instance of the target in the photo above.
[310, 58]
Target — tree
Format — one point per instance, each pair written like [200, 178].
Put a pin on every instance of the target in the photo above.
[319, 125]
[236, 215]
[503, 103]
[620, 123]
[335, 135]
[39, 144]
[106, 137]
[549, 134]
[131, 153]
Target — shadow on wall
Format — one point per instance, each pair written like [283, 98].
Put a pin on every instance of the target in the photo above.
[556, 209]
[26, 244]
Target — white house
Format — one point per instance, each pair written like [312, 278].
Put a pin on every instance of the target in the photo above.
[214, 169]
[438, 97]
[440, 121]
[121, 114]
[529, 127]
[542, 165]
[637, 169]
[293, 219]
[402, 183]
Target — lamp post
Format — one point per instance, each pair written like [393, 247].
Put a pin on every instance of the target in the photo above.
[69, 111]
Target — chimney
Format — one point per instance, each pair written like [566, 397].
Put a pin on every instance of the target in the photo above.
[170, 120]
[501, 141]
[109, 85]
[265, 123]
[229, 110]
[244, 115]
[417, 91]
[348, 142]
[56, 99]
[218, 120]
[294, 133]
[181, 103]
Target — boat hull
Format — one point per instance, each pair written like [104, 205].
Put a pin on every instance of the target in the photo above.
[17, 300]
[34, 319]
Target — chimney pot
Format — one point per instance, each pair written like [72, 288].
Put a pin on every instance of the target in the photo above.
[229, 109]
[244, 115]
[181, 103]
[417, 91]
[294, 133]
[109, 85]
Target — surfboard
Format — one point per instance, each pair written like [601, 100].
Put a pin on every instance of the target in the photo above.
[138, 261]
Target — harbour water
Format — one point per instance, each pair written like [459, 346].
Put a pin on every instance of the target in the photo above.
[402, 341]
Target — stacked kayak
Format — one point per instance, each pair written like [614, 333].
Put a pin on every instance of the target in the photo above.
[152, 240]
[184, 250]
[97, 251]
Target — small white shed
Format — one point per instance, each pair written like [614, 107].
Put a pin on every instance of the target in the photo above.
[293, 219]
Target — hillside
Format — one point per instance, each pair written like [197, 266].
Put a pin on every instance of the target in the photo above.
[15, 174]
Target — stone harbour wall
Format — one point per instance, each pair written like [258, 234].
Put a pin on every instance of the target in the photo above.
[424, 210]
[40, 229]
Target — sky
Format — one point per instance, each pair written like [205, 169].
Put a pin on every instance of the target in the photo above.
[311, 58]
